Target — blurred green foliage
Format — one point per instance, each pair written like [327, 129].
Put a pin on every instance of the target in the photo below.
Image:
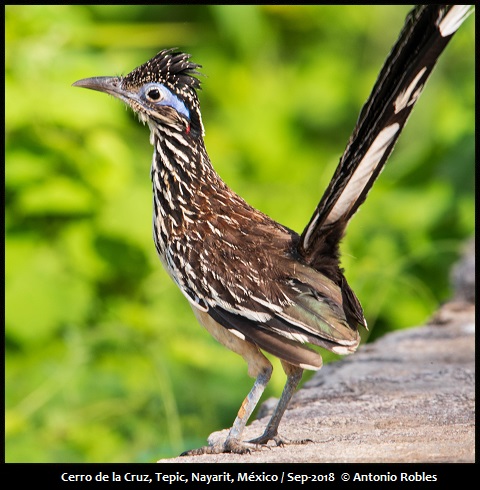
[104, 359]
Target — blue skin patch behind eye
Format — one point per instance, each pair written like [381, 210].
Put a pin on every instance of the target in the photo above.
[167, 98]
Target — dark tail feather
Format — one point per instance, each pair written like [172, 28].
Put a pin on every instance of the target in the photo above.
[427, 30]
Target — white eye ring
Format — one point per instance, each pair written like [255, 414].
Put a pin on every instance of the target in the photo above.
[154, 94]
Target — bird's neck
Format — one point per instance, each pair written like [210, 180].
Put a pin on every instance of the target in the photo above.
[183, 179]
[180, 166]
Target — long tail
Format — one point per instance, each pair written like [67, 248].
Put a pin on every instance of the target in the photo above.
[427, 31]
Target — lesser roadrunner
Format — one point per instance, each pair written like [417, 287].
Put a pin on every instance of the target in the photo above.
[252, 283]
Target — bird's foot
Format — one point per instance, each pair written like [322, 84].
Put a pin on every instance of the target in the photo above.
[278, 440]
[235, 446]
[231, 445]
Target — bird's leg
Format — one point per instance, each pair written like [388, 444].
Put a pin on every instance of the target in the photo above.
[233, 443]
[294, 375]
[259, 367]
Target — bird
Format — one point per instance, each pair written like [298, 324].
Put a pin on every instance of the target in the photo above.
[255, 285]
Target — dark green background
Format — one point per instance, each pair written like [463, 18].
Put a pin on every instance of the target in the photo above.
[104, 359]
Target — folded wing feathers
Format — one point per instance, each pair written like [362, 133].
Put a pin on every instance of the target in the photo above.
[311, 317]
[289, 350]
[320, 317]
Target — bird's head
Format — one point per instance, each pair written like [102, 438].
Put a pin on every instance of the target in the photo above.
[161, 91]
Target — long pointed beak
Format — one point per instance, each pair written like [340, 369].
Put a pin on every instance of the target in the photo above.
[109, 85]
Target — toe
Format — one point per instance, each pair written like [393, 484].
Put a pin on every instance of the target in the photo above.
[238, 447]
[278, 440]
[229, 446]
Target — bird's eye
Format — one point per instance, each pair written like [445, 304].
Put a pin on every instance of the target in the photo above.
[154, 94]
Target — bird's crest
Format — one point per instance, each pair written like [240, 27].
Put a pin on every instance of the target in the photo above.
[169, 67]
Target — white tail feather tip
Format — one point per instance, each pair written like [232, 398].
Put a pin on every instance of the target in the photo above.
[454, 19]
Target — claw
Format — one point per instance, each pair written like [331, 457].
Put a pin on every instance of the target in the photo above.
[229, 446]
[278, 440]
[201, 450]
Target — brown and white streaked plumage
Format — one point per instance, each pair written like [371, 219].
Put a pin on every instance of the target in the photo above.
[255, 284]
